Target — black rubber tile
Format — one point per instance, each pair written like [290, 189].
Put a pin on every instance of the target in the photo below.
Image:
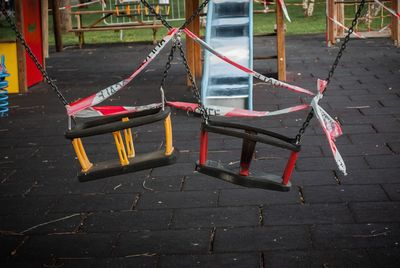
[359, 150]
[247, 196]
[216, 217]
[162, 183]
[210, 260]
[306, 214]
[90, 262]
[355, 236]
[168, 200]
[371, 176]
[201, 182]
[376, 211]
[343, 193]
[328, 163]
[178, 169]
[163, 242]
[262, 238]
[379, 138]
[67, 246]
[303, 178]
[9, 243]
[385, 258]
[41, 224]
[383, 161]
[128, 221]
[26, 205]
[316, 259]
[393, 190]
[94, 202]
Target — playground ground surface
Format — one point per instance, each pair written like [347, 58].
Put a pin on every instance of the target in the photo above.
[174, 217]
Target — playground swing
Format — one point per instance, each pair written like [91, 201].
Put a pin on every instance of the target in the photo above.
[251, 135]
[117, 120]
[131, 117]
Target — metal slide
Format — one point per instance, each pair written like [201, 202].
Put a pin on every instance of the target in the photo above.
[229, 30]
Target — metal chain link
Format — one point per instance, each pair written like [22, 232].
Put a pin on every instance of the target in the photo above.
[158, 16]
[45, 75]
[195, 14]
[332, 69]
[168, 65]
[195, 89]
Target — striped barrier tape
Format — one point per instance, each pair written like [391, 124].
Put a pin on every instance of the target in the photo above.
[284, 9]
[268, 80]
[104, 94]
[330, 126]
[232, 112]
[347, 29]
[114, 110]
[83, 4]
[391, 11]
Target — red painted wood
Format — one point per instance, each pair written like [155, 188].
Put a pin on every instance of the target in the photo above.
[33, 35]
[289, 168]
[203, 147]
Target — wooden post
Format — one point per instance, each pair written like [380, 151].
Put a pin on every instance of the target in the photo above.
[66, 24]
[197, 48]
[330, 26]
[45, 28]
[339, 31]
[21, 55]
[280, 43]
[192, 49]
[396, 23]
[57, 25]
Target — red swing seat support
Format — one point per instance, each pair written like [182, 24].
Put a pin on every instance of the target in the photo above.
[250, 136]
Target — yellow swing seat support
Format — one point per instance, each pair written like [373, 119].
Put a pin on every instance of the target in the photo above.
[128, 161]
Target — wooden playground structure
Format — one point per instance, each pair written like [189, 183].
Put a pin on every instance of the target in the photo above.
[377, 22]
[130, 14]
[119, 15]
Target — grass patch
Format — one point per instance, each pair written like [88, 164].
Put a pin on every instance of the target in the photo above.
[263, 23]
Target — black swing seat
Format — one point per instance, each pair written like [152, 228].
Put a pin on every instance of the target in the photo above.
[250, 136]
[254, 180]
[128, 162]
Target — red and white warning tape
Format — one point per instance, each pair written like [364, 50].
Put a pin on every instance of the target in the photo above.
[232, 112]
[83, 4]
[346, 28]
[394, 13]
[113, 110]
[75, 107]
[330, 126]
[268, 80]
[284, 9]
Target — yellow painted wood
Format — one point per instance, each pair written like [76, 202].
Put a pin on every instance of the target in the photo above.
[130, 149]
[9, 50]
[168, 136]
[123, 158]
[81, 154]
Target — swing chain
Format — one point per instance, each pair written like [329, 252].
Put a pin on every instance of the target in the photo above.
[346, 40]
[168, 65]
[195, 14]
[332, 69]
[33, 57]
[158, 16]
[195, 89]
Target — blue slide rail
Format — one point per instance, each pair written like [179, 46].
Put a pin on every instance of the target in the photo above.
[229, 30]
